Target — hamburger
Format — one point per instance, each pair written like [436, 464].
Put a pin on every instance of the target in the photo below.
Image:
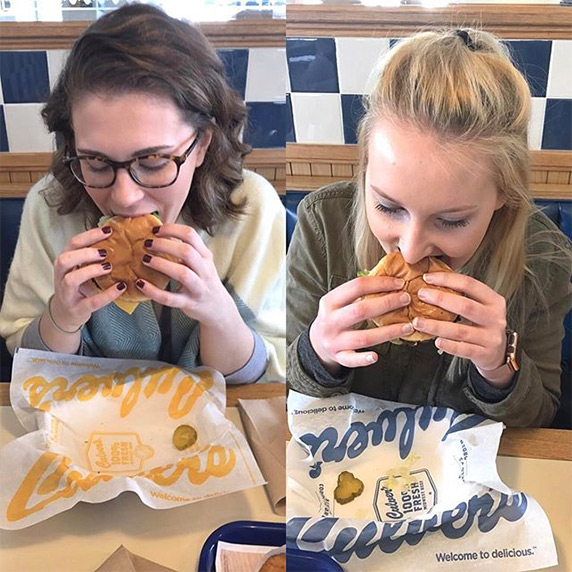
[393, 264]
[125, 248]
[274, 563]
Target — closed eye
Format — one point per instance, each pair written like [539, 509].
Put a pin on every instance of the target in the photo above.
[153, 163]
[444, 223]
[454, 223]
[94, 164]
[391, 211]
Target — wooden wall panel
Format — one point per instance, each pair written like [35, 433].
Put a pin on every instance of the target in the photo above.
[509, 21]
[250, 33]
[18, 171]
[301, 167]
[310, 167]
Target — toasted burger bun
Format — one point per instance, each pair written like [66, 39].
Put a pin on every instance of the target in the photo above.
[393, 264]
[125, 250]
[274, 562]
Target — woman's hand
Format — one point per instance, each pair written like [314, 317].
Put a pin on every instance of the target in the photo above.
[480, 335]
[75, 297]
[201, 294]
[226, 342]
[333, 335]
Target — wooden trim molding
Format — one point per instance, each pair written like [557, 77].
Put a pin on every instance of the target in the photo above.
[251, 33]
[309, 167]
[508, 21]
[301, 167]
[269, 163]
[247, 33]
[19, 171]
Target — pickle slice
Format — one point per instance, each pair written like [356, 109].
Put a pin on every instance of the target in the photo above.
[349, 487]
[184, 437]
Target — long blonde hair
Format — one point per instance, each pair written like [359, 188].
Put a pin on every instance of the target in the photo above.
[435, 83]
[462, 87]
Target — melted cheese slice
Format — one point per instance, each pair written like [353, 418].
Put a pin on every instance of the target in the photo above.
[128, 307]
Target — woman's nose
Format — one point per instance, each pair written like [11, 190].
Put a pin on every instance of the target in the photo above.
[414, 243]
[125, 191]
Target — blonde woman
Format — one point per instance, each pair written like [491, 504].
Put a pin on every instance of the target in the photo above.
[444, 165]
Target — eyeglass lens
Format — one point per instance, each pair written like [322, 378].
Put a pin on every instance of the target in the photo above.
[147, 171]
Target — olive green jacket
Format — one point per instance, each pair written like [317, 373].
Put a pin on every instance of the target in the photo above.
[320, 259]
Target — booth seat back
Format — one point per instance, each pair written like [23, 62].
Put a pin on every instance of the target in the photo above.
[561, 213]
[10, 215]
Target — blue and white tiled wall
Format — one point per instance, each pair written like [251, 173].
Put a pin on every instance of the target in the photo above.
[328, 76]
[325, 81]
[258, 74]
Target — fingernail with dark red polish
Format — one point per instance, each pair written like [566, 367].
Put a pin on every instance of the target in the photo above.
[140, 284]
[106, 229]
[147, 258]
[148, 243]
[102, 252]
[156, 229]
[121, 286]
[106, 265]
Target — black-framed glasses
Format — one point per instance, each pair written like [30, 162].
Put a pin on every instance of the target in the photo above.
[153, 171]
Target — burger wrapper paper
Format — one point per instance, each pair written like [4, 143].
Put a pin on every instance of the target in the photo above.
[231, 557]
[122, 560]
[99, 427]
[419, 490]
[264, 423]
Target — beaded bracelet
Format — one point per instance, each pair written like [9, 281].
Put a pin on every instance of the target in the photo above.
[54, 322]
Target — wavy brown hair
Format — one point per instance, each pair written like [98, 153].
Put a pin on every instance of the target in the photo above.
[140, 49]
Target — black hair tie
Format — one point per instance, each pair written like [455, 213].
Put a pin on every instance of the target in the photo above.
[464, 35]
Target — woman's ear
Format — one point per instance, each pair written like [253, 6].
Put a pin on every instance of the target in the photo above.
[501, 201]
[202, 147]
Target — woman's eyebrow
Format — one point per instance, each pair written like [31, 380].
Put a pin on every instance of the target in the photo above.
[382, 194]
[145, 151]
[463, 208]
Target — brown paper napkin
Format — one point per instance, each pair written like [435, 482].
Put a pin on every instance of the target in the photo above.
[264, 422]
[124, 561]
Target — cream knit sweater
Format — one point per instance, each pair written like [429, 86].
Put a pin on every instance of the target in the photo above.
[249, 255]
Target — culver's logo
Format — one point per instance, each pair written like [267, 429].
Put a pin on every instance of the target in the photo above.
[404, 496]
[341, 541]
[400, 423]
